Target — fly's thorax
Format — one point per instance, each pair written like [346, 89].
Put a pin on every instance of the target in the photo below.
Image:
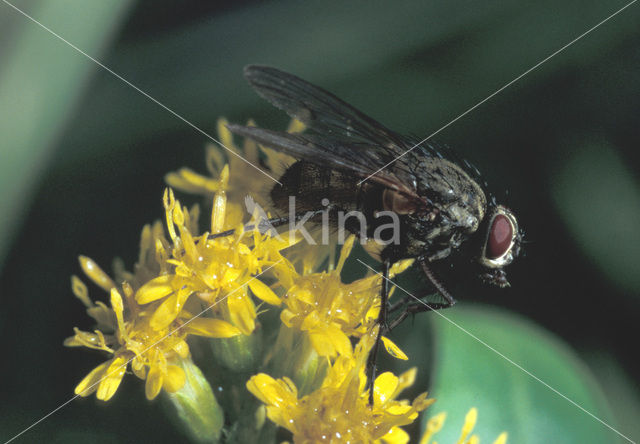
[454, 194]
[458, 205]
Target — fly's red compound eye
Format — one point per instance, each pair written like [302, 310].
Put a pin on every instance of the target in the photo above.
[500, 236]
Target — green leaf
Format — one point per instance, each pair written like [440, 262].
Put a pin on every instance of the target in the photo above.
[467, 373]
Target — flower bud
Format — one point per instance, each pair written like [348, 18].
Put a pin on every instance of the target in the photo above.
[196, 406]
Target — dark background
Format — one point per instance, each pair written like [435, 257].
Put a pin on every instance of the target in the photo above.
[560, 144]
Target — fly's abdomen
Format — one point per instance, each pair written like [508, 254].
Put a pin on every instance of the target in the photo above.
[311, 184]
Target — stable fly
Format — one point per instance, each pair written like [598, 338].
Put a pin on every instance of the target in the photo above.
[357, 164]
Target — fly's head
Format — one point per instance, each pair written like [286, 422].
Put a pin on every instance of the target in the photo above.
[501, 238]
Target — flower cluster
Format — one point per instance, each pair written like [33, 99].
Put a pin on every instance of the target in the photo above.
[331, 312]
[339, 410]
[231, 282]
[186, 285]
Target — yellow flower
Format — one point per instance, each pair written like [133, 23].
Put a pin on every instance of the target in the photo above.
[217, 270]
[126, 335]
[339, 410]
[434, 425]
[330, 311]
[151, 312]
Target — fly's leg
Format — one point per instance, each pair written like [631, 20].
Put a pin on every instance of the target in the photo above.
[267, 224]
[436, 283]
[382, 325]
[409, 300]
[411, 308]
[399, 304]
[419, 307]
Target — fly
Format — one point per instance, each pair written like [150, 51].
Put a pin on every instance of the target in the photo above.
[439, 201]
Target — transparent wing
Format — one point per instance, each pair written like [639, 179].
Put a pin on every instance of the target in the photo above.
[330, 153]
[323, 112]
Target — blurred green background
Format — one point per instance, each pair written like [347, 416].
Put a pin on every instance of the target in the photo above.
[83, 155]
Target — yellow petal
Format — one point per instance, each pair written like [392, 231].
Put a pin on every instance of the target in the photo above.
[469, 424]
[230, 276]
[89, 383]
[303, 295]
[345, 252]
[287, 316]
[154, 289]
[80, 291]
[434, 425]
[187, 180]
[296, 126]
[373, 312]
[398, 409]
[218, 211]
[502, 439]
[384, 387]
[242, 312]
[226, 138]
[396, 436]
[422, 401]
[118, 308]
[262, 291]
[393, 349]
[182, 349]
[311, 322]
[264, 387]
[85, 339]
[112, 378]
[285, 240]
[72, 341]
[211, 328]
[399, 267]
[174, 379]
[154, 383]
[322, 344]
[339, 340]
[166, 313]
[214, 158]
[139, 368]
[407, 378]
[95, 273]
[103, 315]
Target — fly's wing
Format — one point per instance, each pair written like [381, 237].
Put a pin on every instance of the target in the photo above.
[320, 110]
[340, 137]
[329, 153]
[347, 132]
